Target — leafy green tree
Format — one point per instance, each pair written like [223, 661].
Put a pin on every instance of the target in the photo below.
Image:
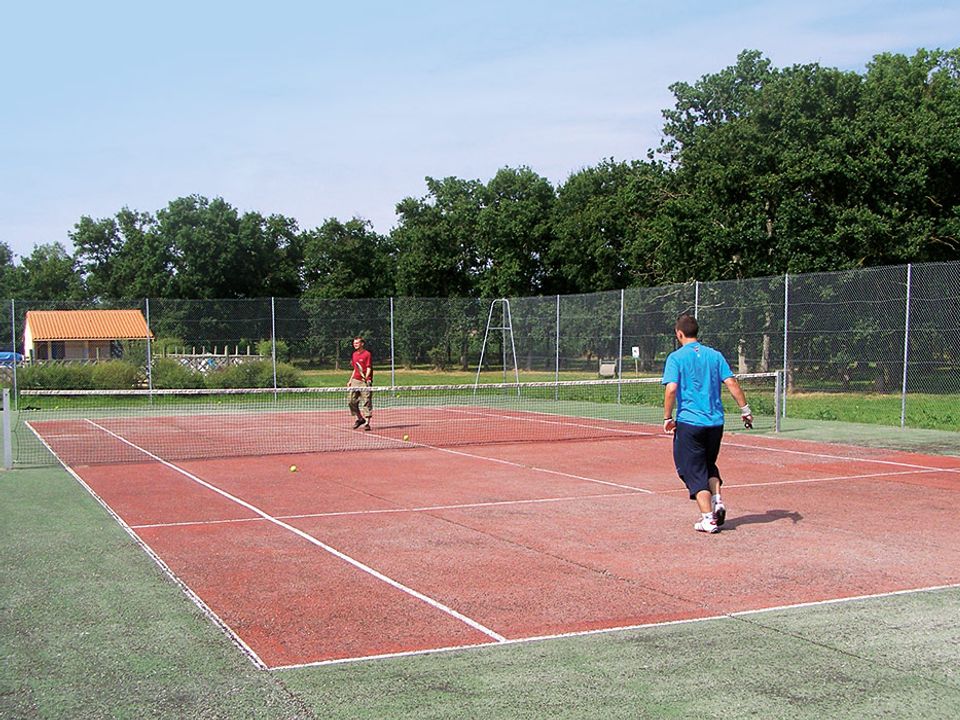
[9, 273]
[347, 260]
[907, 168]
[124, 256]
[514, 233]
[211, 258]
[285, 248]
[810, 168]
[436, 239]
[49, 273]
[759, 160]
[599, 225]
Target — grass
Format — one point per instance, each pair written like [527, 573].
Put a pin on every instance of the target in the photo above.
[406, 376]
[90, 628]
[923, 410]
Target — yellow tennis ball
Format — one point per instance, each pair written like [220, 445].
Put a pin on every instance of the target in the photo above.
[406, 437]
[293, 468]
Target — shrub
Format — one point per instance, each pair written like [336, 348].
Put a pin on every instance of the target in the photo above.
[253, 375]
[55, 376]
[115, 375]
[288, 376]
[244, 375]
[166, 344]
[170, 374]
[265, 349]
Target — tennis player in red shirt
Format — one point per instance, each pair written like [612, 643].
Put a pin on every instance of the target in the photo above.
[361, 379]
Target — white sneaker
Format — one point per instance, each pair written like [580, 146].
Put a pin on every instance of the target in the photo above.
[706, 525]
[719, 512]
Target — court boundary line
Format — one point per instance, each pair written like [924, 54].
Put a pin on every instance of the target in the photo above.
[621, 628]
[205, 609]
[435, 604]
[529, 501]
[826, 456]
[388, 511]
[916, 469]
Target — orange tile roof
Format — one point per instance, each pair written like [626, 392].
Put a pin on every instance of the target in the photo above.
[87, 324]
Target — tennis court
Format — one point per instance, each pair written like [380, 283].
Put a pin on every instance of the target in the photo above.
[460, 522]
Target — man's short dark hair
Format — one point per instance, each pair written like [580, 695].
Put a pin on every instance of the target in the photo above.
[688, 325]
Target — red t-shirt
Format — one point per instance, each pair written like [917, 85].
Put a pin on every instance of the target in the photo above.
[362, 365]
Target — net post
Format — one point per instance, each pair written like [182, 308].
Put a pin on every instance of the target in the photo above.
[7, 438]
[778, 390]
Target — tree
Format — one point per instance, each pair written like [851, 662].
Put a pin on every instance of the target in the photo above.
[49, 273]
[810, 168]
[124, 256]
[907, 162]
[599, 224]
[436, 239]
[9, 273]
[347, 260]
[514, 234]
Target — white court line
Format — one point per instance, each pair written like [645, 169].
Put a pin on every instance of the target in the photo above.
[387, 511]
[164, 568]
[594, 425]
[531, 501]
[828, 456]
[726, 443]
[620, 628]
[314, 541]
[828, 479]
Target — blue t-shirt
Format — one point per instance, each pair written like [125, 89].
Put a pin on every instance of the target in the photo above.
[699, 372]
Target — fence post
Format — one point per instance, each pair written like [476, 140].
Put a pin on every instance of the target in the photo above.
[620, 351]
[273, 343]
[696, 298]
[146, 305]
[906, 350]
[786, 323]
[13, 346]
[556, 375]
[393, 361]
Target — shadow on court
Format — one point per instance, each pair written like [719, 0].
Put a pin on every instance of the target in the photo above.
[768, 517]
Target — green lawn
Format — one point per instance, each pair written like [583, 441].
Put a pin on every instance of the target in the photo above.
[934, 412]
[405, 376]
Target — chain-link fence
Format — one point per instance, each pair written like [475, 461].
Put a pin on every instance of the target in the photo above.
[893, 331]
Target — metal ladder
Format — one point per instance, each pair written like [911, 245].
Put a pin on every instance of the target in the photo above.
[506, 326]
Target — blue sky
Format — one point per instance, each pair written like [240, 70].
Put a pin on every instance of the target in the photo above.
[319, 109]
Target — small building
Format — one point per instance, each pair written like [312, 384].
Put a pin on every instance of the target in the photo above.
[81, 334]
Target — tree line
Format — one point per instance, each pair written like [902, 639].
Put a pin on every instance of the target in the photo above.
[761, 171]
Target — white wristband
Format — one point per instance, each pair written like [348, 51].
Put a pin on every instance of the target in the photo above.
[745, 410]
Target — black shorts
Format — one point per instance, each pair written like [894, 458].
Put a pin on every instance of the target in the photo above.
[695, 451]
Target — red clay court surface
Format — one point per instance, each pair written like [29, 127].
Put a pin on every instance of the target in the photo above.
[365, 554]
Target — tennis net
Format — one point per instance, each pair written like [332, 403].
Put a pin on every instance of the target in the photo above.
[82, 427]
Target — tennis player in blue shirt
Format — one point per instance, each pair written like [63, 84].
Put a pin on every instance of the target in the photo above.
[693, 379]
